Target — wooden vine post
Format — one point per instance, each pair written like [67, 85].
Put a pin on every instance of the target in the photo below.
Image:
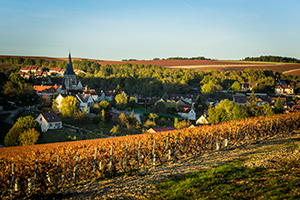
[110, 158]
[153, 154]
[12, 180]
[139, 154]
[35, 174]
[76, 169]
[126, 154]
[57, 167]
[95, 162]
[166, 149]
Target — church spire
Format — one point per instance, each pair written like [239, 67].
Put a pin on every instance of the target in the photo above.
[69, 69]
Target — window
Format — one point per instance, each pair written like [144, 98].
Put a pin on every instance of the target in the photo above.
[50, 125]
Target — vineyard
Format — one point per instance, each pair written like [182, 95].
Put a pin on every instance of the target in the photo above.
[50, 167]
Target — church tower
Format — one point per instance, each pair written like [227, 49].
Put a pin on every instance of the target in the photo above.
[70, 80]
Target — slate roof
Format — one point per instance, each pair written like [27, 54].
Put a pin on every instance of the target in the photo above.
[83, 97]
[51, 117]
[69, 68]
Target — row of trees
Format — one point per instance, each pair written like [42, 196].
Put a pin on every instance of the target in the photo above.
[85, 65]
[272, 59]
[184, 58]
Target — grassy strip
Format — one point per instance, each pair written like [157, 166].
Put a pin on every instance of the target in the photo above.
[233, 181]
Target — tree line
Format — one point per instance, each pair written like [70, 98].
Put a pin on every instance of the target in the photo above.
[85, 65]
[273, 59]
[184, 58]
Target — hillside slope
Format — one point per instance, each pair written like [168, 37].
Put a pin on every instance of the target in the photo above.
[261, 154]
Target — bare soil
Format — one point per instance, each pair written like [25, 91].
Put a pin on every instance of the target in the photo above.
[259, 154]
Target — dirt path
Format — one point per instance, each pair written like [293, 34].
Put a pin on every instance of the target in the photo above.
[140, 187]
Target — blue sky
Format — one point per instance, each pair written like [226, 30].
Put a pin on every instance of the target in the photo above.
[119, 29]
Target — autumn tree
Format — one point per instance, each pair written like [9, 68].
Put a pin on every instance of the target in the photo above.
[104, 105]
[121, 100]
[29, 137]
[24, 124]
[69, 106]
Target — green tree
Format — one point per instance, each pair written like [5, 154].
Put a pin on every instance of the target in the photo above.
[16, 79]
[131, 103]
[69, 106]
[236, 86]
[278, 106]
[240, 112]
[29, 137]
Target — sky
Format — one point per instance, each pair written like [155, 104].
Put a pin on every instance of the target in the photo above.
[137, 29]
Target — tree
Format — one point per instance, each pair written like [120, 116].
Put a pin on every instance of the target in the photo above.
[116, 130]
[16, 79]
[240, 112]
[183, 124]
[278, 106]
[81, 117]
[45, 99]
[29, 137]
[28, 122]
[104, 105]
[54, 106]
[117, 90]
[236, 86]
[69, 106]
[122, 119]
[12, 138]
[121, 100]
[131, 103]
[153, 116]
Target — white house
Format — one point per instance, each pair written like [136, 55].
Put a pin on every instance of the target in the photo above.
[202, 120]
[85, 100]
[49, 121]
[187, 112]
[284, 89]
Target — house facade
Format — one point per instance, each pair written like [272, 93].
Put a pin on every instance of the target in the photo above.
[284, 89]
[49, 121]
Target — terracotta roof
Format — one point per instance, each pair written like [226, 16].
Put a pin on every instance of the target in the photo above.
[51, 117]
[45, 88]
[184, 109]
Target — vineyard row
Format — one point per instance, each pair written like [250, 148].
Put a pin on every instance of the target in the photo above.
[50, 168]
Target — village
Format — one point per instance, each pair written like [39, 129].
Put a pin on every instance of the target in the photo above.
[151, 114]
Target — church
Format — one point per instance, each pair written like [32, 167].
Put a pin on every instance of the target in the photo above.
[69, 81]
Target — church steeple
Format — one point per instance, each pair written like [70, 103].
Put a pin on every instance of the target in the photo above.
[70, 80]
[69, 69]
